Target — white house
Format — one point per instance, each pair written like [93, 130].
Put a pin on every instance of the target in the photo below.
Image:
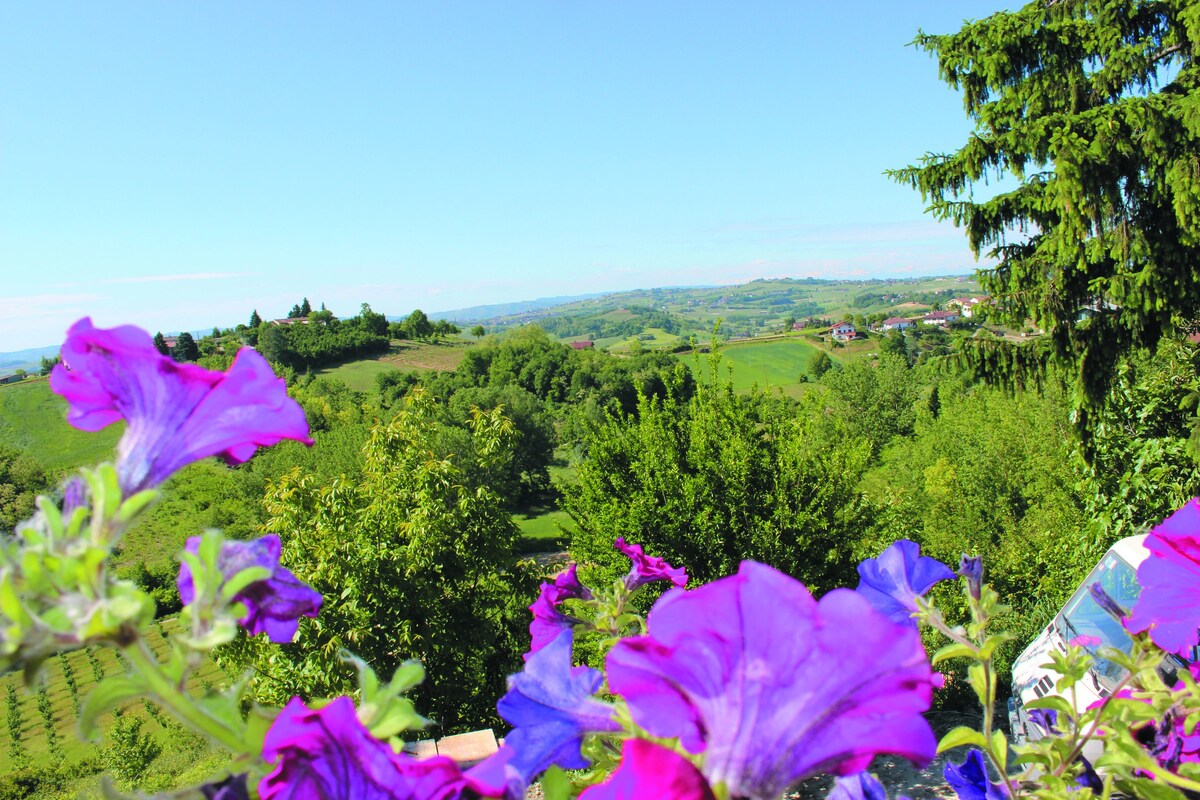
[843, 331]
[940, 318]
[897, 323]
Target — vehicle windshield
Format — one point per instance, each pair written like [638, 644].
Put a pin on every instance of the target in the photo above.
[1082, 617]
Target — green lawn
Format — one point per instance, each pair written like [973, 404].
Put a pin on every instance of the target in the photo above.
[542, 526]
[767, 364]
[359, 375]
[34, 419]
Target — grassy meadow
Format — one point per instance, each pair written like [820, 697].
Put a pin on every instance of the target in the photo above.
[404, 355]
[33, 419]
[767, 364]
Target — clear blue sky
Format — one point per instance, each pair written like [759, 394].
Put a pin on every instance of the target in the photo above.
[176, 165]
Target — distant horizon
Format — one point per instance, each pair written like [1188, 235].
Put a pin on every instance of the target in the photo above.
[447, 313]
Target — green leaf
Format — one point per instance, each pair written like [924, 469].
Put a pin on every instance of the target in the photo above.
[1054, 703]
[241, 580]
[105, 696]
[1147, 789]
[130, 508]
[953, 650]
[959, 737]
[556, 784]
[1000, 750]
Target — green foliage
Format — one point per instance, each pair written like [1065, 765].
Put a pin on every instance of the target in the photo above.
[993, 475]
[323, 340]
[1143, 463]
[129, 754]
[255, 319]
[414, 561]
[478, 331]
[719, 478]
[1091, 109]
[22, 479]
[875, 400]
[160, 344]
[820, 364]
[186, 348]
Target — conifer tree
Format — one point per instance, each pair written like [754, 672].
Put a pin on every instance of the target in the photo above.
[255, 319]
[305, 308]
[160, 343]
[186, 348]
[1091, 109]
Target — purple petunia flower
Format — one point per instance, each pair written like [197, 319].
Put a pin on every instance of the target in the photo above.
[1044, 718]
[647, 569]
[548, 622]
[753, 672]
[175, 413]
[649, 770]
[970, 781]
[863, 786]
[893, 582]
[273, 606]
[971, 568]
[328, 754]
[233, 787]
[1170, 581]
[551, 707]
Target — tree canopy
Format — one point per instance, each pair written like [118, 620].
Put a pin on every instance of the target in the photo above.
[1087, 112]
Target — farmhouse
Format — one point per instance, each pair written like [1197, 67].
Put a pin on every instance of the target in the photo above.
[10, 378]
[897, 323]
[290, 321]
[843, 331]
[582, 345]
[940, 318]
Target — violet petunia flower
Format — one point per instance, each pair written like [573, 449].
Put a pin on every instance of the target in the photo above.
[752, 672]
[233, 787]
[551, 707]
[175, 413]
[863, 786]
[548, 622]
[274, 605]
[893, 581]
[971, 568]
[649, 770]
[648, 569]
[970, 780]
[1170, 582]
[1044, 718]
[328, 754]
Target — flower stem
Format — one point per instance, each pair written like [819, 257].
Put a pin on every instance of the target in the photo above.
[176, 701]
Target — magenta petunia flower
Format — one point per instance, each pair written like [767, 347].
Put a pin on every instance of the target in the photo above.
[1170, 581]
[328, 754]
[893, 582]
[175, 413]
[769, 684]
[649, 770]
[273, 606]
[548, 622]
[551, 707]
[647, 569]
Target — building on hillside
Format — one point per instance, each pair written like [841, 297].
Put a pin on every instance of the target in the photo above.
[170, 342]
[843, 331]
[897, 323]
[583, 344]
[940, 318]
[290, 321]
[966, 305]
[9, 378]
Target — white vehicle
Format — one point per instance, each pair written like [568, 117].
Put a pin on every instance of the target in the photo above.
[1081, 617]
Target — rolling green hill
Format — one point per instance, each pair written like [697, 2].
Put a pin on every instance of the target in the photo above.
[772, 363]
[34, 420]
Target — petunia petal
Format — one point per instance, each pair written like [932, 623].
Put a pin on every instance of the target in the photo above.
[893, 581]
[175, 413]
[753, 672]
[649, 770]
[1170, 581]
